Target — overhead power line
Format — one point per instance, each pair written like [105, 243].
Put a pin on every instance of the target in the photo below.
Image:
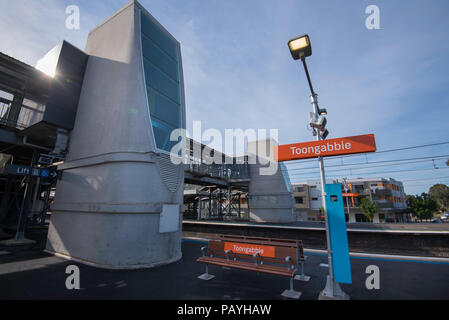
[367, 167]
[436, 178]
[422, 159]
[380, 173]
[378, 152]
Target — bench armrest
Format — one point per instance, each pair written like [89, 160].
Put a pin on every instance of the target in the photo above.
[256, 257]
[289, 261]
[228, 252]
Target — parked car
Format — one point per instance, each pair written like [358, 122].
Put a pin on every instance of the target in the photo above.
[437, 220]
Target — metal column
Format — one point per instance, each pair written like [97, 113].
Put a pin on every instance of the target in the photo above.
[27, 198]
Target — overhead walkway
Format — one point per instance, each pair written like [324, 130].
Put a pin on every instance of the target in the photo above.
[232, 172]
[215, 191]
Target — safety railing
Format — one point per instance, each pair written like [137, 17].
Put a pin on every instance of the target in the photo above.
[5, 106]
[222, 171]
[26, 117]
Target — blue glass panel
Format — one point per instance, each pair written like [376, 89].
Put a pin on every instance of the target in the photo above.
[161, 82]
[163, 108]
[284, 171]
[157, 35]
[159, 58]
[161, 69]
[162, 134]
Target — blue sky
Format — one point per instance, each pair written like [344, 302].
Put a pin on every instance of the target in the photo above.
[239, 73]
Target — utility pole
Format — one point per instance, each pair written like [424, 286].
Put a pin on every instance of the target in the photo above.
[331, 286]
[301, 48]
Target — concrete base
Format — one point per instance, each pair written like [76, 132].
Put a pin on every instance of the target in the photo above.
[322, 296]
[291, 294]
[206, 277]
[302, 278]
[16, 243]
[336, 294]
[270, 215]
[113, 241]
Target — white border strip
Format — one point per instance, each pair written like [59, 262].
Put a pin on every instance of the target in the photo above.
[386, 256]
[314, 228]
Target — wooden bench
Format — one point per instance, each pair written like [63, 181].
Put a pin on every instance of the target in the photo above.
[272, 256]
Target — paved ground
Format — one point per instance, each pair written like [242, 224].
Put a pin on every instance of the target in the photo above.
[28, 273]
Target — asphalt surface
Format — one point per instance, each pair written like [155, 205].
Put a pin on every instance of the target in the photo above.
[29, 273]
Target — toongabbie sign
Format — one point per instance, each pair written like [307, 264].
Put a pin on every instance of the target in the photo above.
[249, 249]
[325, 148]
[341, 262]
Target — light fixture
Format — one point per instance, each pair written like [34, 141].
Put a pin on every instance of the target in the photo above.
[322, 112]
[317, 121]
[300, 47]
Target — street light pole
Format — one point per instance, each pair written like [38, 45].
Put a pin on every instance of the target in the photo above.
[332, 289]
[300, 48]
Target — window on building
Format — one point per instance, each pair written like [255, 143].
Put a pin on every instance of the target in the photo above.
[286, 176]
[299, 200]
[161, 68]
[314, 199]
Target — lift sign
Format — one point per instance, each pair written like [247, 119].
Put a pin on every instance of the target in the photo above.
[250, 249]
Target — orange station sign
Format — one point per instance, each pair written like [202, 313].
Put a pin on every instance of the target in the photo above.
[325, 148]
[250, 249]
[350, 194]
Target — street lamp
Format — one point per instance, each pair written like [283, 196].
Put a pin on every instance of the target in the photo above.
[301, 48]
[322, 112]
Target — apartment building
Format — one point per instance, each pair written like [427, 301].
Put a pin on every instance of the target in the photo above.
[301, 193]
[308, 200]
[387, 193]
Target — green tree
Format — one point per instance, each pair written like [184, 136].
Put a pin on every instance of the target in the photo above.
[440, 193]
[368, 208]
[423, 207]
